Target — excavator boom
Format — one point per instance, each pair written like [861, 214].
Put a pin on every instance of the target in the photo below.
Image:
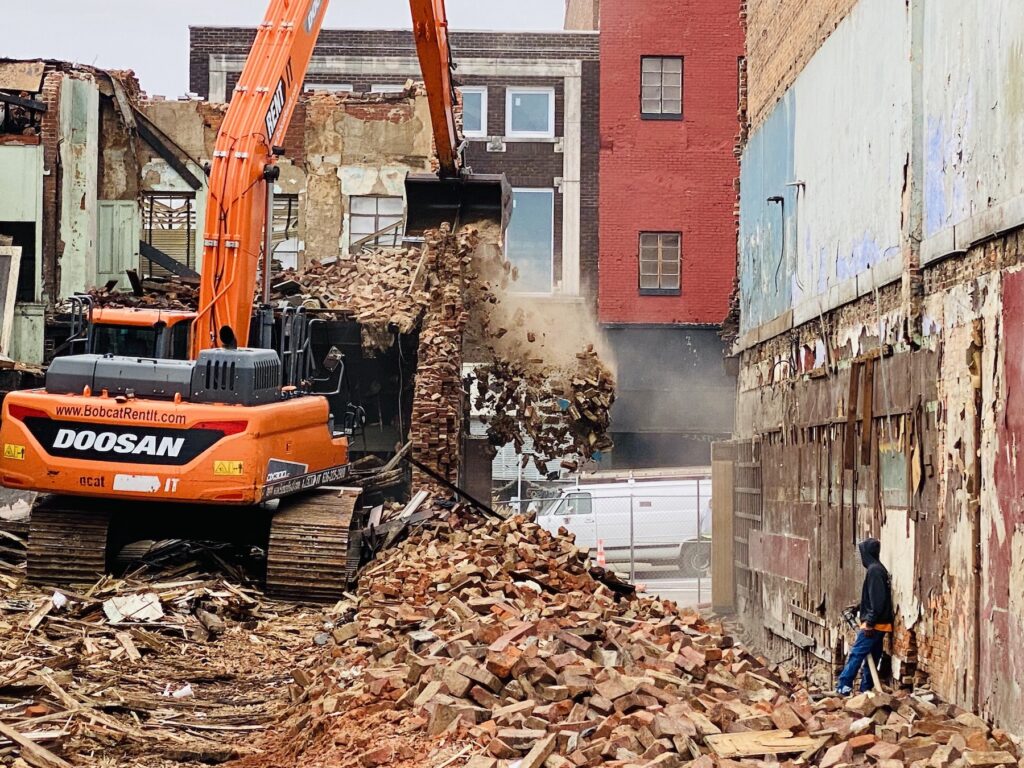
[244, 162]
[454, 194]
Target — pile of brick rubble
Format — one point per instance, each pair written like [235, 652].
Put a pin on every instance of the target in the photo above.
[490, 644]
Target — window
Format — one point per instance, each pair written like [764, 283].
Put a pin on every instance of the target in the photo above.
[580, 504]
[659, 262]
[376, 221]
[386, 88]
[530, 112]
[661, 87]
[474, 111]
[530, 239]
[130, 341]
[285, 232]
[329, 87]
[169, 225]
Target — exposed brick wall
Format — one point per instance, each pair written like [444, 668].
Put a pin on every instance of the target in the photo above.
[526, 164]
[782, 36]
[669, 175]
[52, 246]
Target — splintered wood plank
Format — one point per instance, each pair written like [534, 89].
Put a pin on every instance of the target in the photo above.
[32, 753]
[755, 743]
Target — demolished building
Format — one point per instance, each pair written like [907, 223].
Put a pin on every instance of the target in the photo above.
[84, 169]
[879, 298]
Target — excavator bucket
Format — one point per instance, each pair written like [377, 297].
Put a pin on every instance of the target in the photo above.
[431, 200]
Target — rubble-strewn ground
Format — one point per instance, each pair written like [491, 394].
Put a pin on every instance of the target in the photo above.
[108, 693]
[473, 642]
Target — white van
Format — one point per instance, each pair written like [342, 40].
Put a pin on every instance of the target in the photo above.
[668, 521]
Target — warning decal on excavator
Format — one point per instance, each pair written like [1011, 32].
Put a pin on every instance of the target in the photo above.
[12, 451]
[305, 482]
[227, 467]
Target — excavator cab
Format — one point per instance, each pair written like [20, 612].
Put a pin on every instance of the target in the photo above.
[463, 199]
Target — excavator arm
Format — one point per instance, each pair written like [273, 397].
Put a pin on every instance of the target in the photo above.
[454, 194]
[430, 31]
[244, 162]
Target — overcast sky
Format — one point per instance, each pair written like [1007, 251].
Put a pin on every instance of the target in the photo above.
[151, 36]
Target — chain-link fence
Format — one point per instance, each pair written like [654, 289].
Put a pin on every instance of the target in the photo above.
[657, 537]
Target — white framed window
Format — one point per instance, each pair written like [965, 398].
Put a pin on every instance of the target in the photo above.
[530, 112]
[386, 88]
[660, 257]
[530, 240]
[375, 221]
[661, 87]
[329, 87]
[474, 111]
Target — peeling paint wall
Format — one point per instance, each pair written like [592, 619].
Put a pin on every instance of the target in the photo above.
[79, 159]
[973, 93]
[896, 271]
[820, 220]
[939, 487]
[357, 147]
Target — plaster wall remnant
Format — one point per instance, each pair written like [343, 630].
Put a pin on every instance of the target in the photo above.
[360, 145]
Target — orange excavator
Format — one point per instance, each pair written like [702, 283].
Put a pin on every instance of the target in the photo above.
[152, 431]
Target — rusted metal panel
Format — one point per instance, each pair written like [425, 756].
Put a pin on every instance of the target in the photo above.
[785, 556]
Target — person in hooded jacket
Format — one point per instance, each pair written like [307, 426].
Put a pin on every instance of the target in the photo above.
[875, 616]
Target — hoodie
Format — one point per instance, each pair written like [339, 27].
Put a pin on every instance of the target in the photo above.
[875, 595]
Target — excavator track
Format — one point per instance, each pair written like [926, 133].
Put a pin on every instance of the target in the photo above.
[312, 554]
[67, 541]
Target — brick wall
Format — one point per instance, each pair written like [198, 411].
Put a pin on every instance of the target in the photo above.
[782, 36]
[526, 164]
[52, 246]
[204, 41]
[669, 175]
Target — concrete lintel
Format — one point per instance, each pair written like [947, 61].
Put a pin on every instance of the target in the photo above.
[765, 331]
[403, 66]
[962, 236]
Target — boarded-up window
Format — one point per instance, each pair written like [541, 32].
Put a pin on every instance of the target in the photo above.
[893, 479]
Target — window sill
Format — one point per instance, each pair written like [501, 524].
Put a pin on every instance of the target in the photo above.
[660, 116]
[517, 139]
[661, 292]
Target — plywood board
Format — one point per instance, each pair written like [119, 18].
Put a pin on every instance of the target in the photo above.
[723, 590]
[22, 76]
[10, 268]
[754, 743]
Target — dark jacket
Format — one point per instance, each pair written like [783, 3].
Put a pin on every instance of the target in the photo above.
[875, 595]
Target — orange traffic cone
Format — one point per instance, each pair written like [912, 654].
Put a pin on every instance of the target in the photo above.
[600, 554]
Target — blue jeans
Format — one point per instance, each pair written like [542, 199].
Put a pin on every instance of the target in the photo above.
[866, 643]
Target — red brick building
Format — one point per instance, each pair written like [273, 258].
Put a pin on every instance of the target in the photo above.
[670, 88]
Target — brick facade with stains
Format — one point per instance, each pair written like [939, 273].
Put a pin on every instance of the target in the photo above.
[676, 174]
[877, 394]
[496, 60]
